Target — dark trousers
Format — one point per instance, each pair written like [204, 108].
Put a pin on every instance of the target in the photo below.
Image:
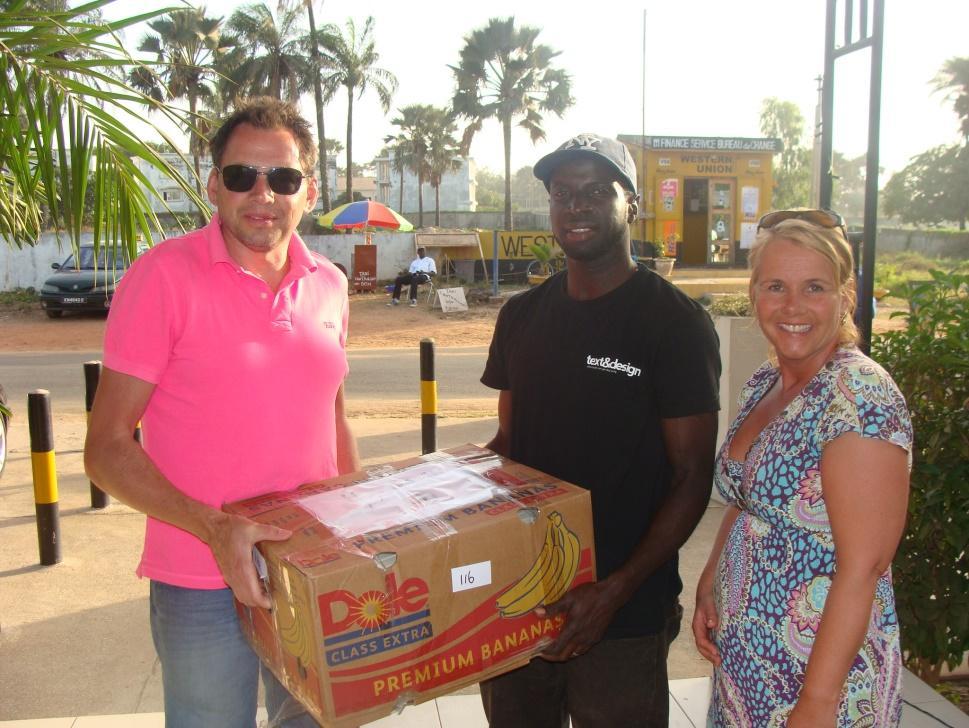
[619, 682]
[415, 279]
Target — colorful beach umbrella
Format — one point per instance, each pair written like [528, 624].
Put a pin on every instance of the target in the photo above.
[364, 214]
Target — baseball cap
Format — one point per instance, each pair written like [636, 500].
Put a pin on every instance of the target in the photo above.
[612, 152]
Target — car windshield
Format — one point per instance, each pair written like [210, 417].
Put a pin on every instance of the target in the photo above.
[106, 260]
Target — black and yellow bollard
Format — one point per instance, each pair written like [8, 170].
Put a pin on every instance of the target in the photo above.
[428, 398]
[45, 476]
[92, 375]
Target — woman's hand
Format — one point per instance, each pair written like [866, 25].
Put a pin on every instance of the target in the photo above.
[810, 712]
[706, 621]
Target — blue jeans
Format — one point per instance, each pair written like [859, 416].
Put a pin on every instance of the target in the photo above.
[209, 672]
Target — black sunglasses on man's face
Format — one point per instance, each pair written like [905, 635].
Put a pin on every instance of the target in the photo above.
[242, 178]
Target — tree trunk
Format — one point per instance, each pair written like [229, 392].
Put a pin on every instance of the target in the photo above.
[276, 85]
[194, 143]
[318, 96]
[349, 143]
[506, 132]
[927, 671]
[400, 208]
[437, 204]
[420, 199]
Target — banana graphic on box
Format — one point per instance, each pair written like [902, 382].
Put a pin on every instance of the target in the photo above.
[295, 636]
[550, 575]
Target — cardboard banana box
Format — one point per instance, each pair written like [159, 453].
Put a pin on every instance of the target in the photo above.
[413, 579]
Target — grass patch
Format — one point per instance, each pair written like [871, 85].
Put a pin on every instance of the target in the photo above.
[19, 299]
[893, 270]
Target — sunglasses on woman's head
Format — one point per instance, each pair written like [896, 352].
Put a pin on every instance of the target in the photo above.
[821, 218]
[242, 178]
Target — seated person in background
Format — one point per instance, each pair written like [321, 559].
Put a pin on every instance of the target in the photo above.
[420, 271]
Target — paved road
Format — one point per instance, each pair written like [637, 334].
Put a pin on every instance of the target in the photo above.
[374, 374]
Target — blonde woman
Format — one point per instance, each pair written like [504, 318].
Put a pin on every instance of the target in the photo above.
[795, 607]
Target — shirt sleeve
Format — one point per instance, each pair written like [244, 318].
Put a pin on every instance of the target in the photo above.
[687, 367]
[140, 332]
[495, 374]
[345, 330]
[866, 401]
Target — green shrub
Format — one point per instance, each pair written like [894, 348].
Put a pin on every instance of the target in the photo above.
[929, 360]
[730, 304]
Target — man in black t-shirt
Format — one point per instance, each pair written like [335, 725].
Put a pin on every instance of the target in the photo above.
[608, 378]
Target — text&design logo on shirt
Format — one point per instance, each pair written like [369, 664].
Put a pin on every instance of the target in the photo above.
[612, 366]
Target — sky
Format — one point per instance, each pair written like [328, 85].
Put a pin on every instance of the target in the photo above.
[708, 67]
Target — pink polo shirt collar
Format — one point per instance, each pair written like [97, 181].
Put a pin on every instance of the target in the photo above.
[300, 260]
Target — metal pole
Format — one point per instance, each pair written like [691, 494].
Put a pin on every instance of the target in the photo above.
[92, 375]
[494, 263]
[428, 398]
[827, 107]
[867, 283]
[45, 476]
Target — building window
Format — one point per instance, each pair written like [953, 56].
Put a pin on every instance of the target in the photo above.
[172, 195]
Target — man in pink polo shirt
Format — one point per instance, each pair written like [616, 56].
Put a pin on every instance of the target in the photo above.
[229, 345]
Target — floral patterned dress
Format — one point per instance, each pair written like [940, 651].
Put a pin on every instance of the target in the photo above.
[775, 570]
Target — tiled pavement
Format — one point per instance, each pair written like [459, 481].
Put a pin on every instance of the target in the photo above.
[688, 706]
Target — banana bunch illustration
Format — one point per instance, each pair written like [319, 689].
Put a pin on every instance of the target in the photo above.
[550, 575]
[296, 637]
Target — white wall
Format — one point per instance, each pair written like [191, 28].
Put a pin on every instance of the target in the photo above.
[29, 267]
[395, 251]
[743, 348]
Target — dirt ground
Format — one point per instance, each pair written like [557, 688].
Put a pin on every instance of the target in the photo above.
[372, 325]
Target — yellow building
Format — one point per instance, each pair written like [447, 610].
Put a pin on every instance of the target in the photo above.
[702, 196]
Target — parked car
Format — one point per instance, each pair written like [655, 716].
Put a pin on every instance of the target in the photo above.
[82, 283]
[4, 419]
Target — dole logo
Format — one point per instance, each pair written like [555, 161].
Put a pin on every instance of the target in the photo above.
[341, 610]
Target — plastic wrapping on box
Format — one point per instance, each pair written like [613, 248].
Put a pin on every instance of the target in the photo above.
[419, 494]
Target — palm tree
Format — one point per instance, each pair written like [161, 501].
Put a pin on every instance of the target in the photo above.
[443, 153]
[66, 117]
[187, 45]
[503, 73]
[273, 61]
[954, 78]
[314, 40]
[413, 123]
[399, 149]
[350, 61]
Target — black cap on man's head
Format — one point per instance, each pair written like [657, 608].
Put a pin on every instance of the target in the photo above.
[613, 153]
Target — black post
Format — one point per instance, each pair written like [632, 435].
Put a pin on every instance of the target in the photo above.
[871, 178]
[92, 375]
[852, 42]
[45, 476]
[428, 398]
